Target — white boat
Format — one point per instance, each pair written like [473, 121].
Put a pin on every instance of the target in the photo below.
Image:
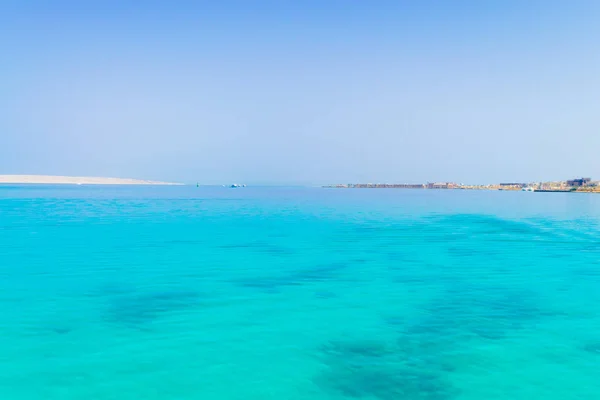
[528, 189]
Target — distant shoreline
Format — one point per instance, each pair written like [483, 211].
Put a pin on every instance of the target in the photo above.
[578, 185]
[76, 180]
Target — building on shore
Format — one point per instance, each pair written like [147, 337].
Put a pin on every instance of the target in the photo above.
[513, 185]
[442, 185]
[579, 182]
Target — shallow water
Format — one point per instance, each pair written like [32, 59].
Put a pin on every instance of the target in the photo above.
[298, 293]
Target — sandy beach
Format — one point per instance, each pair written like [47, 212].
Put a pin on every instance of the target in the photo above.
[75, 180]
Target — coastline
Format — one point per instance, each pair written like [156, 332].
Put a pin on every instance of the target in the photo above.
[579, 185]
[76, 180]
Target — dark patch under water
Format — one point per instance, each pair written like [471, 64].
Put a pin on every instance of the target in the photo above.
[417, 364]
[593, 347]
[357, 348]
[374, 369]
[484, 311]
[140, 309]
[61, 330]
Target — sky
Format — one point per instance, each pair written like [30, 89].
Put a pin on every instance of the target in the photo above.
[301, 92]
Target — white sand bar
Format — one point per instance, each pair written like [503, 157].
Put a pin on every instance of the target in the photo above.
[76, 180]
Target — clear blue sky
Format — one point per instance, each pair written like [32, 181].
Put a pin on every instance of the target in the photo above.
[312, 91]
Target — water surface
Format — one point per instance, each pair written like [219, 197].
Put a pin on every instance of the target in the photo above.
[298, 293]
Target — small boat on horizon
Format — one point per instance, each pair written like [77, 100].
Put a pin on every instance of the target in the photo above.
[556, 190]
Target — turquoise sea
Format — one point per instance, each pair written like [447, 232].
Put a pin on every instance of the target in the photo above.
[298, 293]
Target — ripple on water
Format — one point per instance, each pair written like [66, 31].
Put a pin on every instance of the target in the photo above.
[305, 276]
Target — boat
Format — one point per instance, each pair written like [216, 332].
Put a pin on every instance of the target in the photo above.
[555, 190]
[528, 189]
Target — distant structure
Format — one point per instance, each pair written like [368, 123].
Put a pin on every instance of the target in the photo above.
[442, 185]
[579, 182]
[513, 185]
[578, 185]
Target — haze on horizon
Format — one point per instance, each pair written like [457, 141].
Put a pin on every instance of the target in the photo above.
[301, 92]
